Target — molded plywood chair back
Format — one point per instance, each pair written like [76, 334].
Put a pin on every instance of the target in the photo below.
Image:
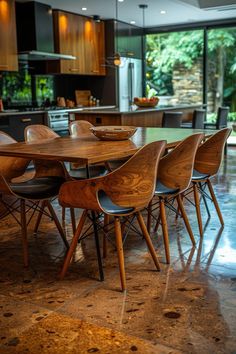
[175, 168]
[209, 154]
[11, 167]
[79, 128]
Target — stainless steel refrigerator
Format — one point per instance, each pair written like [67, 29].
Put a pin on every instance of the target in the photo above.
[129, 81]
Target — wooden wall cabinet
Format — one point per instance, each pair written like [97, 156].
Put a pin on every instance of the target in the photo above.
[8, 45]
[82, 37]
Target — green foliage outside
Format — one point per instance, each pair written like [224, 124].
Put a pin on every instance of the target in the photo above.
[167, 51]
[16, 87]
[44, 89]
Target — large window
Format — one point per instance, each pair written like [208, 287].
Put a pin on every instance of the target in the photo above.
[174, 67]
[221, 78]
[22, 89]
[16, 87]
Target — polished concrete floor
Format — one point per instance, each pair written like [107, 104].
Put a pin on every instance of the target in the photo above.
[188, 307]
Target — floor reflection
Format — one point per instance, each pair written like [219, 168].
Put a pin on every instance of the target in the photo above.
[188, 307]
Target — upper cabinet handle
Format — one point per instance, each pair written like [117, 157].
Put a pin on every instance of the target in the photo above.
[25, 120]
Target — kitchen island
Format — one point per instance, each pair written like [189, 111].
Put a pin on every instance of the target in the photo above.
[139, 117]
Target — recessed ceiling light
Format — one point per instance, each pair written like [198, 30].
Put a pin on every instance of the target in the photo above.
[163, 12]
[120, 0]
[84, 8]
[132, 22]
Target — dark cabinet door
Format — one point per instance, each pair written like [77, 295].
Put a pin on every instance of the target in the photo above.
[15, 125]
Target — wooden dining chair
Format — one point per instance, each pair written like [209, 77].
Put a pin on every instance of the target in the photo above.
[221, 119]
[171, 119]
[173, 178]
[220, 123]
[29, 193]
[207, 163]
[123, 192]
[199, 116]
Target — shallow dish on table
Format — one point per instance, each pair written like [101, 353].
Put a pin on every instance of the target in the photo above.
[111, 132]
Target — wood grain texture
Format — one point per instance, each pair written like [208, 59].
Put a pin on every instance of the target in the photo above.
[175, 168]
[8, 46]
[138, 118]
[209, 154]
[82, 37]
[11, 167]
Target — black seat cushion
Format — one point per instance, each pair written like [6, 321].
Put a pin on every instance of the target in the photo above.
[38, 188]
[198, 175]
[94, 171]
[162, 190]
[111, 208]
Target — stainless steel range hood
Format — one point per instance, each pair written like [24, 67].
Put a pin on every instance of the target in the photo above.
[35, 35]
[35, 55]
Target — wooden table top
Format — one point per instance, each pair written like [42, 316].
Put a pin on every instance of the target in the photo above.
[90, 150]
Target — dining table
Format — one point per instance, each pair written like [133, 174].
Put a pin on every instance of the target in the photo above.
[88, 149]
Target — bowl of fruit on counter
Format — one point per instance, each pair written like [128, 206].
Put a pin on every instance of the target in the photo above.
[146, 102]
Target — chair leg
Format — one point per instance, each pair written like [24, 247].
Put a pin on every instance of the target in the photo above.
[197, 206]
[157, 223]
[104, 241]
[148, 240]
[40, 214]
[63, 215]
[215, 202]
[24, 233]
[178, 211]
[120, 252]
[149, 216]
[73, 245]
[58, 225]
[99, 258]
[73, 222]
[164, 230]
[185, 218]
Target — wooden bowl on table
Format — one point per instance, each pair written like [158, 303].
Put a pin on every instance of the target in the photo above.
[111, 132]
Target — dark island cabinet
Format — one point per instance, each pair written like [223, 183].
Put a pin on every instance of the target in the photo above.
[15, 125]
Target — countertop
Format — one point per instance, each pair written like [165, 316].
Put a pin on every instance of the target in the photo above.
[15, 112]
[136, 110]
[100, 109]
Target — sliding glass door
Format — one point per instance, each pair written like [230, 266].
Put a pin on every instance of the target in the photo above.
[221, 69]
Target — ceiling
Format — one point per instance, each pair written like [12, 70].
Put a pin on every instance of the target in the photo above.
[176, 11]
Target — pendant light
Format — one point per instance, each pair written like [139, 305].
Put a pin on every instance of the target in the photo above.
[117, 57]
[143, 7]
